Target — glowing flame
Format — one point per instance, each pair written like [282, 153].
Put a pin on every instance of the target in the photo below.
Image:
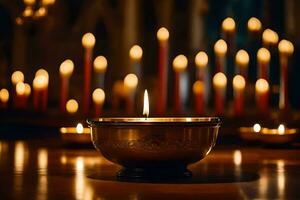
[20, 88]
[17, 77]
[66, 68]
[131, 81]
[239, 82]
[136, 52]
[256, 128]
[263, 55]
[254, 24]
[162, 34]
[242, 57]
[180, 63]
[237, 157]
[4, 95]
[220, 47]
[261, 85]
[72, 106]
[88, 40]
[98, 96]
[201, 59]
[228, 24]
[146, 104]
[219, 80]
[270, 36]
[281, 129]
[100, 64]
[79, 128]
[286, 47]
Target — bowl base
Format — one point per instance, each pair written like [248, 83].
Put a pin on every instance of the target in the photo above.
[152, 174]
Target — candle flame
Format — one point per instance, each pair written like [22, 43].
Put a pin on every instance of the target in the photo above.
[254, 24]
[263, 55]
[228, 24]
[256, 128]
[100, 64]
[72, 106]
[220, 47]
[20, 88]
[242, 57]
[219, 80]
[270, 36]
[136, 52]
[261, 85]
[239, 82]
[66, 68]
[88, 40]
[163, 34]
[286, 47]
[201, 59]
[98, 96]
[79, 128]
[4, 95]
[281, 129]
[17, 77]
[146, 104]
[180, 63]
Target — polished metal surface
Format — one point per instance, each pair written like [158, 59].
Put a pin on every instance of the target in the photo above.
[44, 170]
[165, 144]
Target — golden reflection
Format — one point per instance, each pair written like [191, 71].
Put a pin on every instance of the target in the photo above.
[280, 178]
[82, 188]
[43, 160]
[19, 157]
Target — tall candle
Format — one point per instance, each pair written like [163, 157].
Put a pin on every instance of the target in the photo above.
[262, 95]
[180, 63]
[286, 49]
[135, 55]
[239, 84]
[163, 59]
[44, 91]
[98, 99]
[100, 66]
[130, 85]
[201, 61]
[220, 49]
[242, 62]
[219, 83]
[4, 97]
[65, 70]
[88, 42]
[40, 96]
[263, 62]
[72, 106]
[199, 103]
[228, 31]
[270, 38]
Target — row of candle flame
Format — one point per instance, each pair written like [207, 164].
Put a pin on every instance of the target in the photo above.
[180, 63]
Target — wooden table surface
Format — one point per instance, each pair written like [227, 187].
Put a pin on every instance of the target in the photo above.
[43, 169]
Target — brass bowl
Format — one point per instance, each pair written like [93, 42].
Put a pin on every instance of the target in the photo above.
[150, 148]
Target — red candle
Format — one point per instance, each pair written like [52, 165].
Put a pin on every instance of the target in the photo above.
[263, 61]
[40, 92]
[4, 97]
[20, 99]
[286, 48]
[130, 85]
[199, 103]
[219, 82]
[228, 31]
[239, 84]
[98, 99]
[88, 42]
[262, 95]
[242, 61]
[220, 50]
[65, 70]
[163, 42]
[179, 65]
[16, 77]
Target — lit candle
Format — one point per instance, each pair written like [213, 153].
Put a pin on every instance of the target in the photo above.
[40, 92]
[4, 97]
[88, 42]
[100, 66]
[180, 63]
[286, 49]
[254, 25]
[72, 106]
[242, 61]
[98, 99]
[201, 61]
[219, 82]
[263, 62]
[130, 85]
[239, 84]
[135, 55]
[199, 103]
[262, 95]
[17, 77]
[44, 91]
[220, 50]
[228, 31]
[65, 70]
[269, 38]
[163, 59]
[20, 100]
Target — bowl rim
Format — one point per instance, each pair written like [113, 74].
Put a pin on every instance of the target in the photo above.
[144, 121]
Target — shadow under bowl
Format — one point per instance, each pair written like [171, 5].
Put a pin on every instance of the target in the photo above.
[154, 148]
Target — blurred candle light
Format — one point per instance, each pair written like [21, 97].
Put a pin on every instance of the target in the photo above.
[219, 82]
[180, 63]
[130, 84]
[256, 128]
[88, 42]
[220, 49]
[254, 25]
[286, 49]
[20, 100]
[100, 66]
[262, 95]
[28, 12]
[228, 31]
[41, 12]
[40, 91]
[242, 62]
[135, 55]
[269, 38]
[98, 99]
[263, 61]
[48, 2]
[163, 59]
[281, 129]
[65, 70]
[17, 77]
[72, 106]
[79, 128]
[201, 61]
[239, 84]
[4, 97]
[199, 103]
